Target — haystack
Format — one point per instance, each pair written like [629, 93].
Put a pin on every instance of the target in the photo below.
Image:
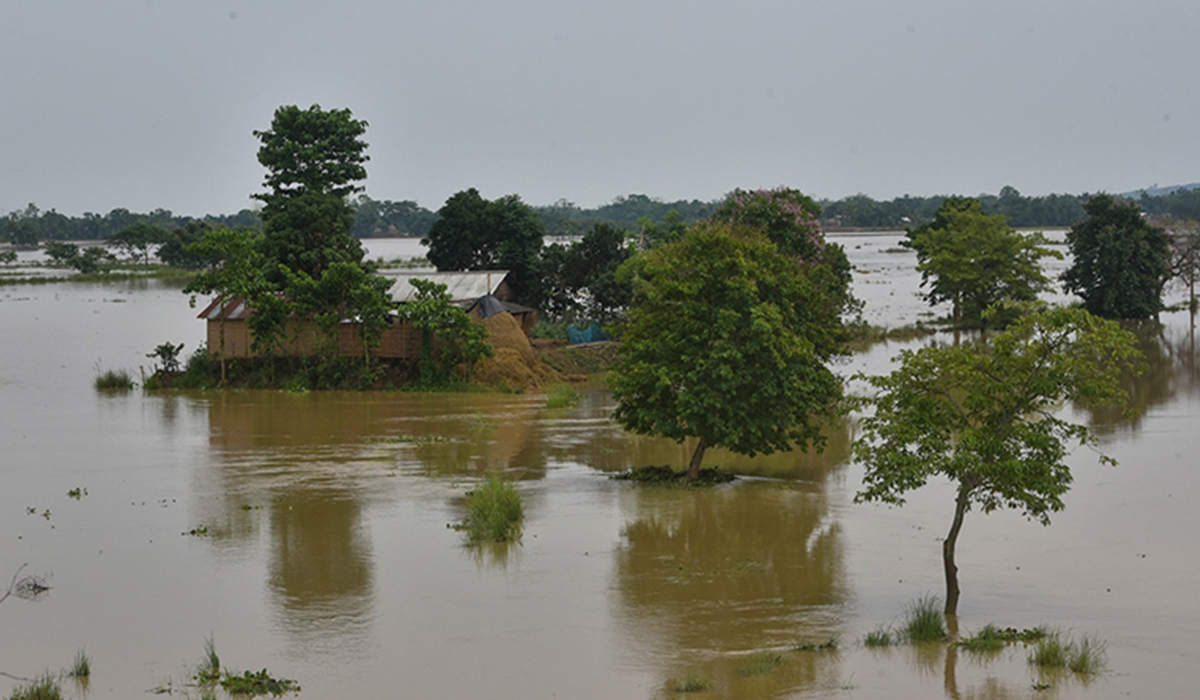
[515, 365]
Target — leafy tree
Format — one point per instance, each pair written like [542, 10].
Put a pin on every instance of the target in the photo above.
[462, 340]
[8, 257]
[386, 218]
[313, 159]
[61, 253]
[1120, 261]
[1185, 257]
[234, 270]
[174, 250]
[974, 261]
[22, 228]
[728, 340]
[983, 416]
[168, 354]
[137, 239]
[343, 291]
[475, 234]
[582, 277]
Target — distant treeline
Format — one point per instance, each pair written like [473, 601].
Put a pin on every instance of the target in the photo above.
[385, 218]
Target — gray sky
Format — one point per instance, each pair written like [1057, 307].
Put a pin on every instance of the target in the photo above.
[151, 103]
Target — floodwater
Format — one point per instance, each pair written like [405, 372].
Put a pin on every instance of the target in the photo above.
[322, 553]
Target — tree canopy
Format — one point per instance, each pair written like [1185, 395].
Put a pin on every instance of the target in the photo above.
[314, 158]
[727, 340]
[1120, 261]
[975, 260]
[985, 417]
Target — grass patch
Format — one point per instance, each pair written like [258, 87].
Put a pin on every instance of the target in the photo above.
[693, 683]
[993, 638]
[1087, 657]
[209, 670]
[923, 620]
[44, 688]
[254, 684]
[562, 396]
[830, 644]
[666, 476]
[82, 668]
[494, 512]
[114, 380]
[760, 663]
[880, 637]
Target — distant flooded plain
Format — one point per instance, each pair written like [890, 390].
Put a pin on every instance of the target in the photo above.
[307, 534]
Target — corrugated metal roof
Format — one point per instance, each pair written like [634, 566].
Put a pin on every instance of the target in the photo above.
[235, 310]
[461, 286]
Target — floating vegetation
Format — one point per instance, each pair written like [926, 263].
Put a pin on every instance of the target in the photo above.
[82, 668]
[693, 683]
[261, 683]
[114, 380]
[198, 531]
[562, 396]
[666, 476]
[923, 620]
[420, 439]
[760, 663]
[494, 512]
[993, 638]
[77, 493]
[830, 644]
[209, 670]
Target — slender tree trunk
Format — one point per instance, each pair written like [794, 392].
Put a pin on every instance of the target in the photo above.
[960, 509]
[697, 458]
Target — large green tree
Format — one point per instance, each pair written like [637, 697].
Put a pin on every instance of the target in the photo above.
[985, 416]
[473, 233]
[137, 239]
[314, 160]
[975, 260]
[1120, 261]
[728, 340]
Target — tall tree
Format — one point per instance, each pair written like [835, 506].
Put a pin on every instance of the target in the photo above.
[234, 271]
[1120, 261]
[728, 340]
[984, 417]
[137, 239]
[476, 234]
[314, 158]
[975, 260]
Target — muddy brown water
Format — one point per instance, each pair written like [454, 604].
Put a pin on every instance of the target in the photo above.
[327, 556]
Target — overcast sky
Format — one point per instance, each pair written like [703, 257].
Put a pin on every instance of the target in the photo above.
[151, 103]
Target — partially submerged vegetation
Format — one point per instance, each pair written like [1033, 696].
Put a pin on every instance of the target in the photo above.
[664, 475]
[1086, 656]
[114, 380]
[494, 512]
[992, 638]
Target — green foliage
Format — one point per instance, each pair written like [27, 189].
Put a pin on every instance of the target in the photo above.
[8, 257]
[494, 512]
[923, 621]
[581, 279]
[880, 637]
[82, 668]
[983, 416]
[461, 340]
[313, 159]
[256, 684]
[475, 234]
[561, 396]
[728, 341]
[974, 260]
[1088, 656]
[664, 475]
[692, 683]
[137, 239]
[992, 638]
[116, 380]
[830, 644]
[168, 354]
[787, 216]
[389, 219]
[1120, 262]
[45, 687]
[175, 250]
[61, 253]
[760, 663]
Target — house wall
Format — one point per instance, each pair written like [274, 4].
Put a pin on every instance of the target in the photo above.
[399, 341]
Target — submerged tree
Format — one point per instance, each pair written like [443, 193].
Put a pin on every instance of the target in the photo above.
[1120, 261]
[975, 260]
[984, 417]
[728, 340]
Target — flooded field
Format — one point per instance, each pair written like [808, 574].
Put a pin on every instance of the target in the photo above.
[307, 534]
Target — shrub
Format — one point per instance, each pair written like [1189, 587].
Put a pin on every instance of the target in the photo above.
[494, 512]
[923, 620]
[562, 396]
[116, 380]
[879, 637]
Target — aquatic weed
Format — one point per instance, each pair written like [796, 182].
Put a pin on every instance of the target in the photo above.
[830, 644]
[760, 663]
[45, 687]
[880, 637]
[923, 620]
[494, 512]
[261, 683]
[693, 683]
[562, 396]
[82, 668]
[114, 380]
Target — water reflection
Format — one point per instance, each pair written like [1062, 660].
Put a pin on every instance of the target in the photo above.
[707, 577]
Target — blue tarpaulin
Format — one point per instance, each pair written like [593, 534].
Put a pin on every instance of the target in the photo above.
[591, 334]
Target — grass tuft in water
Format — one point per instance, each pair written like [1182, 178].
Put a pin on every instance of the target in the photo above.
[664, 475]
[82, 668]
[830, 644]
[261, 683]
[494, 512]
[44, 688]
[209, 670]
[993, 638]
[114, 380]
[923, 620]
[879, 637]
[693, 683]
[562, 396]
[1087, 657]
[760, 663]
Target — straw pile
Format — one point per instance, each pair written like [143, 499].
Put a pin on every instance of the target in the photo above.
[516, 365]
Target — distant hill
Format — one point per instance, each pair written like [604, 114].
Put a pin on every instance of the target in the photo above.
[1157, 191]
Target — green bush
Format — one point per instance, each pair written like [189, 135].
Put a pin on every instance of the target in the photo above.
[494, 512]
[561, 396]
[116, 380]
[923, 620]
